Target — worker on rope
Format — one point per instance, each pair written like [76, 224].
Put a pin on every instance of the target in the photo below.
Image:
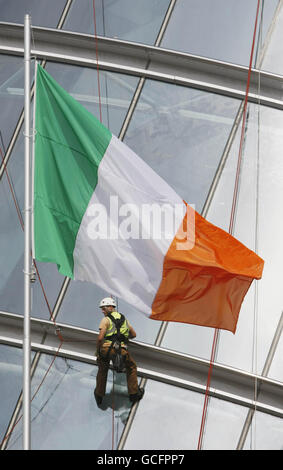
[114, 332]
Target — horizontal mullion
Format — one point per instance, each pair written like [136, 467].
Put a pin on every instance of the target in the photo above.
[146, 61]
[153, 361]
[148, 374]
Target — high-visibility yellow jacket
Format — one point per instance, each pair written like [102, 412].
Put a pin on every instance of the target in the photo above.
[112, 330]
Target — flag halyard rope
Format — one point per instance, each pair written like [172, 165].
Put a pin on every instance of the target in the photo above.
[231, 229]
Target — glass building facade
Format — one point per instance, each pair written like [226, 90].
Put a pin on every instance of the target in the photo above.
[172, 82]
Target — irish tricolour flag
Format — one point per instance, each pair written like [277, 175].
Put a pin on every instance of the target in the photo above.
[104, 216]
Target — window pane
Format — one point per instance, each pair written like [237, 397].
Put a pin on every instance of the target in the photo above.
[261, 167]
[11, 383]
[223, 416]
[175, 417]
[272, 57]
[266, 433]
[116, 91]
[276, 369]
[41, 13]
[11, 96]
[64, 412]
[181, 133]
[119, 19]
[12, 247]
[222, 29]
[81, 308]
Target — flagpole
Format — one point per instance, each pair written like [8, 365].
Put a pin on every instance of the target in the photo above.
[27, 286]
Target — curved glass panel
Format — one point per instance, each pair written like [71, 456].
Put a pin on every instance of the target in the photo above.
[260, 191]
[116, 91]
[12, 247]
[81, 308]
[222, 29]
[221, 417]
[11, 96]
[80, 305]
[175, 416]
[276, 369]
[119, 19]
[64, 414]
[181, 133]
[266, 433]
[11, 383]
[271, 61]
[41, 13]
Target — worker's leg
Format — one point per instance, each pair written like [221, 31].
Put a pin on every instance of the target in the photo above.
[101, 378]
[135, 393]
[131, 371]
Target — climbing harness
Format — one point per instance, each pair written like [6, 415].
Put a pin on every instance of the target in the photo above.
[118, 359]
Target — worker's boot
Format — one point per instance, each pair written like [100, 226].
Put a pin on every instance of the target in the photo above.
[137, 396]
[98, 398]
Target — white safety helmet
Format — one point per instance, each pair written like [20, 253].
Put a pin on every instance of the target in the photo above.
[107, 301]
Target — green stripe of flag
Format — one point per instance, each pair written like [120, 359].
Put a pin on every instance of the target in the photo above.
[69, 145]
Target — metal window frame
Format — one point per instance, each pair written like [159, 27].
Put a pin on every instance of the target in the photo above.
[146, 61]
[154, 362]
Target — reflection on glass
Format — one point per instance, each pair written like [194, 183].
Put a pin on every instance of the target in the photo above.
[222, 29]
[11, 97]
[175, 416]
[167, 417]
[119, 19]
[181, 133]
[266, 433]
[41, 12]
[276, 369]
[189, 339]
[64, 414]
[260, 183]
[224, 425]
[11, 383]
[12, 247]
[272, 55]
[81, 308]
[116, 91]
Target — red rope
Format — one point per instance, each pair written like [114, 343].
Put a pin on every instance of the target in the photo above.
[232, 219]
[206, 397]
[42, 287]
[100, 114]
[12, 191]
[22, 226]
[96, 52]
[243, 127]
[34, 395]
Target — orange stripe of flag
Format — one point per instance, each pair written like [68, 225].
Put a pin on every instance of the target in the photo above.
[205, 285]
